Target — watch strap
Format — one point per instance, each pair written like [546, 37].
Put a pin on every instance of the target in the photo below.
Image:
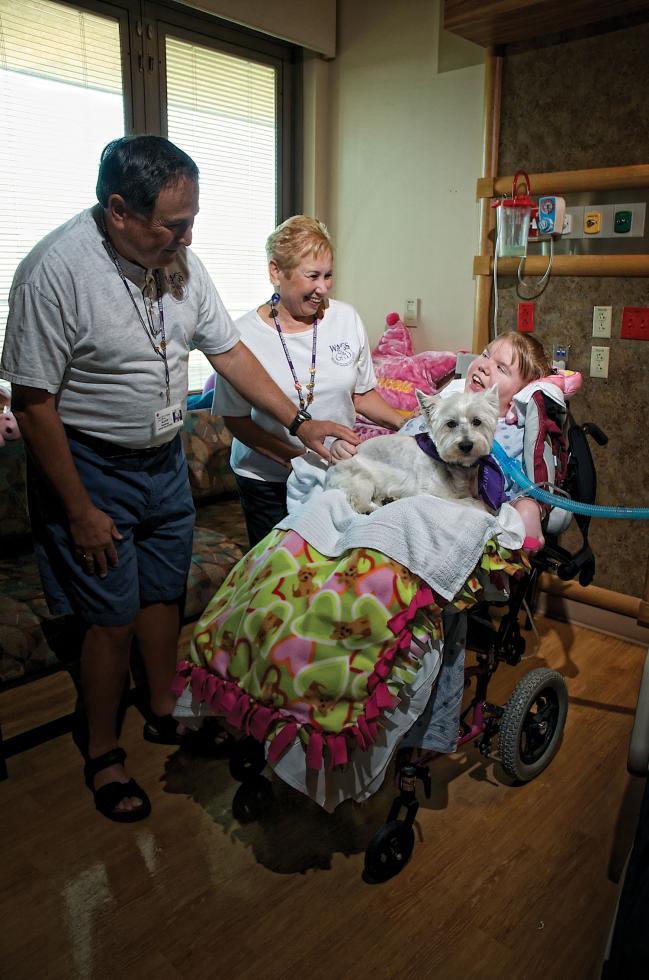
[302, 416]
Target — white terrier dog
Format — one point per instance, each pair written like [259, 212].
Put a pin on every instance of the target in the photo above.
[461, 429]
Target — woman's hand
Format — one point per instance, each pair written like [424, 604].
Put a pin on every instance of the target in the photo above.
[341, 449]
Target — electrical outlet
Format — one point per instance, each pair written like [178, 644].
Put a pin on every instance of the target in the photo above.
[635, 323]
[411, 318]
[560, 356]
[526, 317]
[602, 321]
[599, 362]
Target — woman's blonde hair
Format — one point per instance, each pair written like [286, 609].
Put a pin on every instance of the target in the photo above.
[296, 237]
[533, 360]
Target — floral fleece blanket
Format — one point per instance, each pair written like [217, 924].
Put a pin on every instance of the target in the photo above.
[295, 643]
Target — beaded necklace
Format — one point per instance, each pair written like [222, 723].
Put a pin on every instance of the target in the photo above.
[274, 300]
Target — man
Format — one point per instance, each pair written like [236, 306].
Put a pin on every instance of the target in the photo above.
[103, 312]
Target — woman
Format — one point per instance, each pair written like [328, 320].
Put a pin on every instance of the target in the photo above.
[317, 350]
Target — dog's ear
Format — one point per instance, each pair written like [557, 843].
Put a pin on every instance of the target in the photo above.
[427, 403]
[492, 396]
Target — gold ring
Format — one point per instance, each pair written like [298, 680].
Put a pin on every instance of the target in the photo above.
[85, 557]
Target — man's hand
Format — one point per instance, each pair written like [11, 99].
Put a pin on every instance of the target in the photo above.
[93, 533]
[341, 449]
[314, 432]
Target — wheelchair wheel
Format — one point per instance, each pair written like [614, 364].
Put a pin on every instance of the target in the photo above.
[532, 725]
[389, 851]
[252, 800]
[247, 759]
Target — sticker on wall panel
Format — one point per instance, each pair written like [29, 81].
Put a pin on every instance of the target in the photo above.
[622, 222]
[592, 222]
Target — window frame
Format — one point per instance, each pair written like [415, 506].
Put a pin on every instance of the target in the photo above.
[144, 76]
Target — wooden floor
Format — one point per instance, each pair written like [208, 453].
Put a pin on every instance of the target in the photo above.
[505, 881]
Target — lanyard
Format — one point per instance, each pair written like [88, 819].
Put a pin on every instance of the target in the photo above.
[148, 326]
[311, 383]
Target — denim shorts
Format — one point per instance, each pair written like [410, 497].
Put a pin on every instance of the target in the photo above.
[147, 495]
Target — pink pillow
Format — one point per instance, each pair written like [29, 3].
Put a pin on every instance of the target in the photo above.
[394, 340]
[399, 371]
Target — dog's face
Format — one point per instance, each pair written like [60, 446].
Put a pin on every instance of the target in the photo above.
[463, 425]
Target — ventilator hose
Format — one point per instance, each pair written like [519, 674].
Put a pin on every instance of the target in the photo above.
[513, 470]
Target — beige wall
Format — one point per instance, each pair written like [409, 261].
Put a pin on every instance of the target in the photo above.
[395, 145]
[608, 69]
[310, 23]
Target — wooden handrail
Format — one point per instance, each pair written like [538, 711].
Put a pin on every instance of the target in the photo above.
[593, 595]
[566, 265]
[565, 181]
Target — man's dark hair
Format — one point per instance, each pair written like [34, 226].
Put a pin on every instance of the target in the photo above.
[138, 167]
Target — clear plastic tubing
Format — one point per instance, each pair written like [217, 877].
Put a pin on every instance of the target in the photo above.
[513, 470]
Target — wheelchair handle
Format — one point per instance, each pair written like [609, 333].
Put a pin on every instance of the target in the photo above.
[595, 433]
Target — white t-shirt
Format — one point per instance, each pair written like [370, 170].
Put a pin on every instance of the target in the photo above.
[343, 368]
[73, 331]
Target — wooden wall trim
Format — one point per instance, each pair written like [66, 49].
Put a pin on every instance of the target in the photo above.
[488, 22]
[491, 140]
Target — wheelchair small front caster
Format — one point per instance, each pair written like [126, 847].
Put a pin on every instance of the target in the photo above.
[252, 800]
[247, 759]
[389, 850]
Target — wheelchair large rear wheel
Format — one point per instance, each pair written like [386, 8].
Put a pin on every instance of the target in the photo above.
[531, 727]
[389, 850]
[253, 800]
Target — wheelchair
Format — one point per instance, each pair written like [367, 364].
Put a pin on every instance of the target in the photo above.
[525, 734]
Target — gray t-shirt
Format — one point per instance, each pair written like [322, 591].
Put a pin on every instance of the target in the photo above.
[73, 331]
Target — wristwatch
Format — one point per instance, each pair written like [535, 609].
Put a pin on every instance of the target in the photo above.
[302, 416]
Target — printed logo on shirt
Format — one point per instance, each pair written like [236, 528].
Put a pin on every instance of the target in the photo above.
[178, 289]
[341, 354]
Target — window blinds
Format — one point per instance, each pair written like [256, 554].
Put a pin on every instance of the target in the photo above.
[221, 109]
[60, 103]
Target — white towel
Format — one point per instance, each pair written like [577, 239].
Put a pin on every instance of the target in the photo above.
[439, 540]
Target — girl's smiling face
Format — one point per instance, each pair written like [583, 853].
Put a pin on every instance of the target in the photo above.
[497, 365]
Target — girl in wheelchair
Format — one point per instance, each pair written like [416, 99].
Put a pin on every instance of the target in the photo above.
[325, 657]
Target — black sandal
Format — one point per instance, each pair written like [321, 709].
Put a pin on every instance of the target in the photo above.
[210, 740]
[108, 797]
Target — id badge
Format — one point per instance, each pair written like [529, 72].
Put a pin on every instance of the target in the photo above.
[168, 419]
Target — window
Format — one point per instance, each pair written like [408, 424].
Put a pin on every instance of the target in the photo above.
[60, 103]
[74, 77]
[221, 110]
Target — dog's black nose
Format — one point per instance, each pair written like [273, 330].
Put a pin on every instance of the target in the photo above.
[465, 446]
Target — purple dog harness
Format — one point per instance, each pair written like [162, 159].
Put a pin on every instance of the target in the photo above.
[491, 482]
